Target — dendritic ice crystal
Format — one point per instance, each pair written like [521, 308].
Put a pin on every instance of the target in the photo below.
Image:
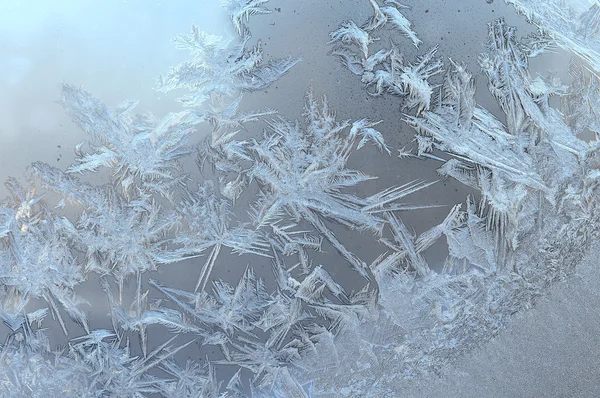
[281, 196]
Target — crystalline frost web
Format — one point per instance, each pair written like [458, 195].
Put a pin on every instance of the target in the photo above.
[532, 215]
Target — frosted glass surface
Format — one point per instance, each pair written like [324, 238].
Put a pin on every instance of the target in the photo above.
[294, 199]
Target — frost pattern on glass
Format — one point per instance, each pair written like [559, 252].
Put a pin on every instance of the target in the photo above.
[534, 212]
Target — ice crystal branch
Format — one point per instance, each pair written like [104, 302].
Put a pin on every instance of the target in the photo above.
[574, 25]
[120, 237]
[578, 103]
[134, 146]
[350, 33]
[220, 69]
[386, 69]
[241, 10]
[93, 365]
[222, 317]
[208, 219]
[303, 171]
[37, 257]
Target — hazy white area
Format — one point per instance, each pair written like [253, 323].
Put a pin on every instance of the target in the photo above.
[548, 351]
[114, 48]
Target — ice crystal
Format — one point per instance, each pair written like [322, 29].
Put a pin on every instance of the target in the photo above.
[574, 25]
[119, 237]
[136, 146]
[207, 218]
[303, 172]
[350, 33]
[387, 69]
[240, 10]
[220, 68]
[578, 102]
[95, 364]
[399, 21]
[37, 258]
